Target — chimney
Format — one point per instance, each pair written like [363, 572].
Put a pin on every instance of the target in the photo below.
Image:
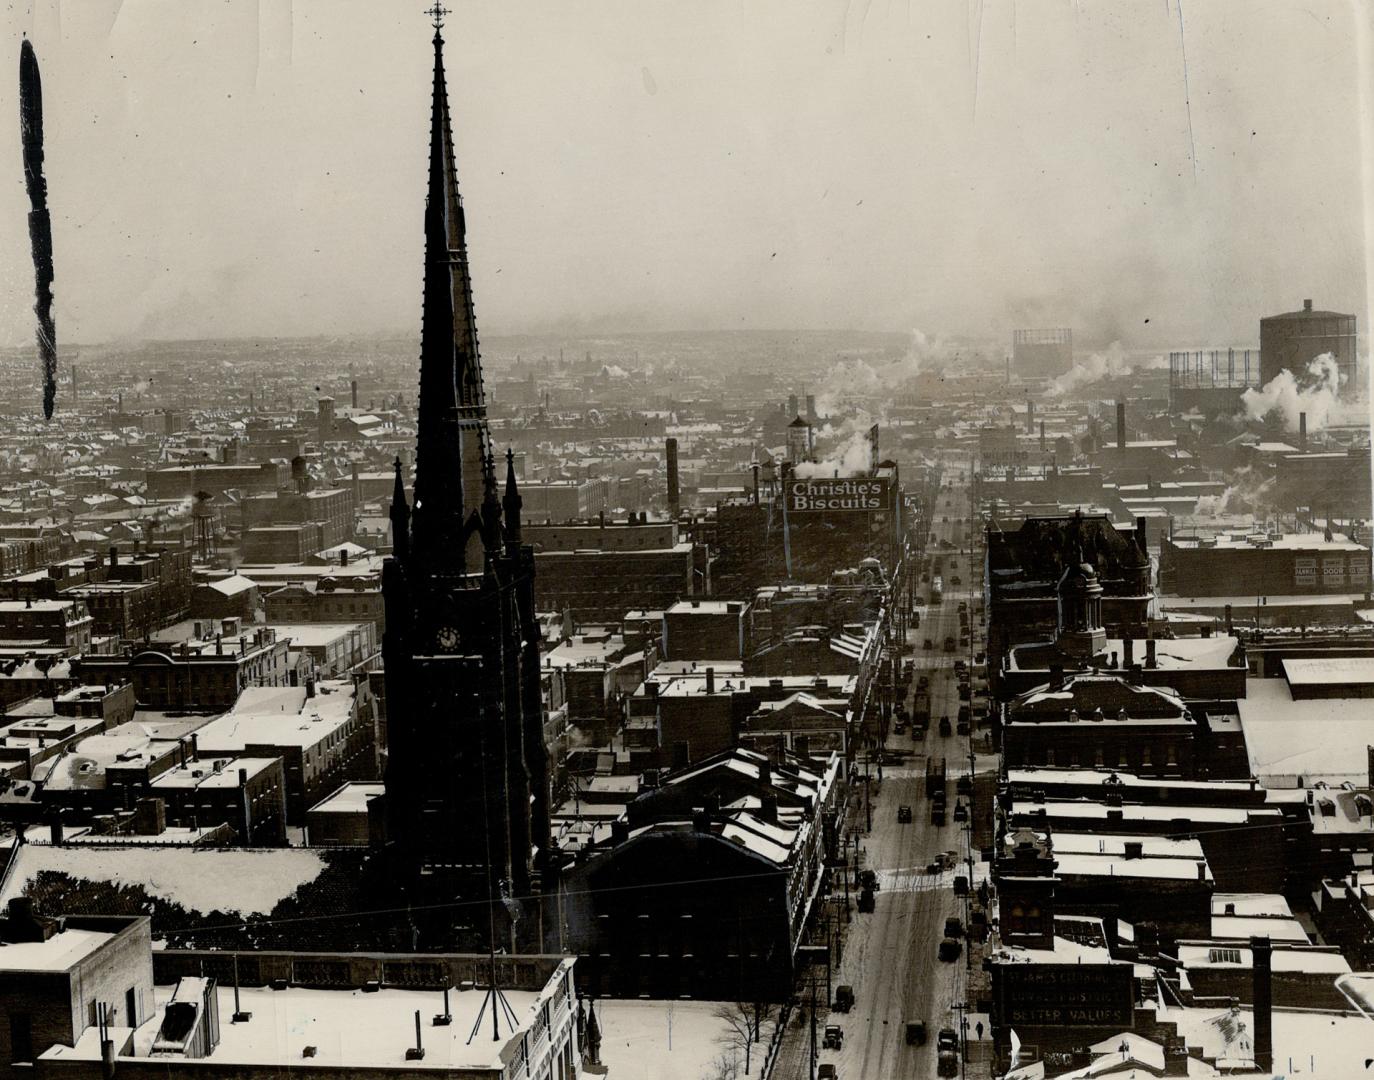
[1228, 619]
[765, 771]
[768, 809]
[1202, 870]
[811, 408]
[1121, 425]
[1149, 652]
[1128, 651]
[756, 483]
[1042, 436]
[1056, 677]
[353, 390]
[1135, 849]
[710, 680]
[1142, 536]
[1263, 993]
[1030, 417]
[114, 556]
[674, 491]
[1307, 305]
[1302, 432]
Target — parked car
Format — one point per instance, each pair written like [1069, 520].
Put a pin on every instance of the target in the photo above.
[948, 1048]
[915, 1033]
[826, 1071]
[950, 950]
[937, 814]
[961, 811]
[834, 1037]
[945, 728]
[960, 885]
[928, 645]
[903, 815]
[844, 998]
[964, 785]
[953, 927]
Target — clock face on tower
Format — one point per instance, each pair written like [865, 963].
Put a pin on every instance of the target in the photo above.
[447, 638]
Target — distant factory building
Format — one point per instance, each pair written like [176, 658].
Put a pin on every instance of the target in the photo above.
[1291, 341]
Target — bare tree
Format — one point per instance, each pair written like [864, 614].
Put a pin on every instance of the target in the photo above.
[724, 1067]
[743, 1021]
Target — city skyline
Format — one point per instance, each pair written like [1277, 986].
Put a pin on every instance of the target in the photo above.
[787, 168]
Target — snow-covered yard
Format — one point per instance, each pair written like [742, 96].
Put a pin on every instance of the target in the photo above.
[672, 1040]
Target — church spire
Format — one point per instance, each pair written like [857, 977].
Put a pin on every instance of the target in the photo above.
[452, 440]
[400, 517]
[510, 504]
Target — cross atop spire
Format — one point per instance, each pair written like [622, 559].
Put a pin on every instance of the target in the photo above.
[437, 13]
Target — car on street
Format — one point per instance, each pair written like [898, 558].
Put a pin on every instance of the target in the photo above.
[960, 885]
[945, 728]
[950, 950]
[834, 1037]
[961, 811]
[949, 859]
[947, 1045]
[915, 1033]
[953, 927]
[903, 815]
[937, 814]
[928, 645]
[826, 1071]
[844, 998]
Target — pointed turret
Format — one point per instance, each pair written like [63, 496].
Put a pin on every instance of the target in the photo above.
[400, 517]
[511, 503]
[491, 507]
[452, 439]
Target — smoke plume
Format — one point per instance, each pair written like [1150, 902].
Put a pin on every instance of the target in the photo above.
[1316, 393]
[853, 455]
[1111, 364]
[1246, 494]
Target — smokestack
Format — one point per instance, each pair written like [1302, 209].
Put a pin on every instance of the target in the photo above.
[1302, 430]
[792, 405]
[74, 395]
[1042, 436]
[1121, 425]
[1149, 652]
[674, 491]
[756, 483]
[710, 680]
[1307, 305]
[1030, 417]
[811, 408]
[1263, 992]
[353, 390]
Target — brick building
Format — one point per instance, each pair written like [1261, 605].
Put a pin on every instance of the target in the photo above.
[195, 674]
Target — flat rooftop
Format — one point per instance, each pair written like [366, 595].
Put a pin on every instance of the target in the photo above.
[346, 1028]
[1330, 671]
[351, 798]
[1296, 743]
[60, 952]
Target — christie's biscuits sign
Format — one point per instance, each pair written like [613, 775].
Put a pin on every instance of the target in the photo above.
[861, 493]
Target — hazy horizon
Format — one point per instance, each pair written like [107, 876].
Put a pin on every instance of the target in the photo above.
[256, 170]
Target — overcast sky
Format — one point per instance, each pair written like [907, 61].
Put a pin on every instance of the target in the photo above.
[236, 167]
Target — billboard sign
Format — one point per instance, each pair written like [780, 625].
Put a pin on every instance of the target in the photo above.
[1065, 995]
[839, 495]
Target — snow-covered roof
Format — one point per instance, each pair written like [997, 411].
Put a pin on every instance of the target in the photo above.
[1308, 739]
[60, 952]
[250, 882]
